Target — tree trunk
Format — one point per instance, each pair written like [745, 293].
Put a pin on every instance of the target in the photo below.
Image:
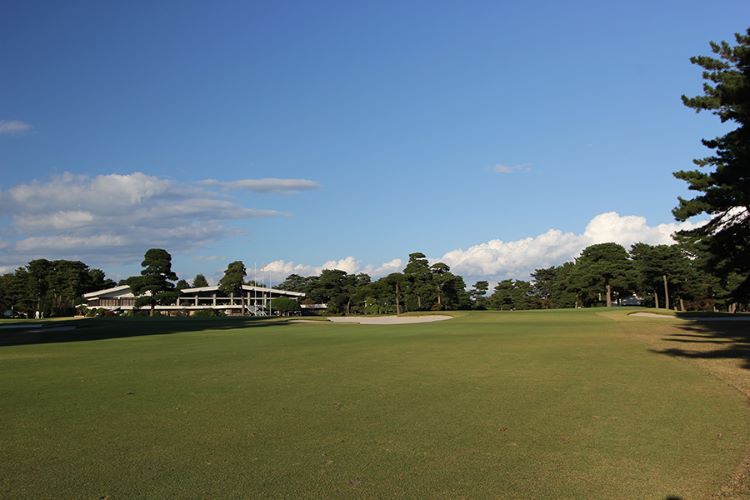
[348, 306]
[438, 297]
[419, 302]
[609, 295]
[656, 300]
[398, 300]
[682, 305]
[153, 306]
[666, 292]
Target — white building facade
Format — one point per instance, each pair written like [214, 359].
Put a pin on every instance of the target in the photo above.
[257, 300]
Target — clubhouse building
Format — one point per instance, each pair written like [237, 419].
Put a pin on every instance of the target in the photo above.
[191, 300]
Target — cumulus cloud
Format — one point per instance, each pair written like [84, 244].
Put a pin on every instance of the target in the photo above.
[113, 218]
[280, 269]
[13, 127]
[497, 259]
[267, 185]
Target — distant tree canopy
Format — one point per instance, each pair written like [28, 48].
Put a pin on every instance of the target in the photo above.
[667, 276]
[603, 267]
[725, 190]
[604, 274]
[233, 279]
[284, 305]
[200, 281]
[421, 287]
[154, 286]
[52, 287]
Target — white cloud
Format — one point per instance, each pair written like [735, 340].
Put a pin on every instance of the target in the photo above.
[496, 259]
[267, 185]
[392, 266]
[348, 264]
[13, 127]
[514, 258]
[63, 243]
[280, 269]
[115, 217]
[61, 220]
[517, 259]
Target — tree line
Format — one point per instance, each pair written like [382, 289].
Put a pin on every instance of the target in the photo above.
[56, 287]
[667, 276]
[52, 287]
[606, 274]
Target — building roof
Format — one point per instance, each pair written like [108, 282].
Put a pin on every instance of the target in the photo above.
[119, 288]
[187, 291]
[247, 288]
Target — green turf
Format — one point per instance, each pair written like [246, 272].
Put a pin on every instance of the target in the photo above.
[537, 404]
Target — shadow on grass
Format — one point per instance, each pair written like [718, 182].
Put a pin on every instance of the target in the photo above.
[79, 330]
[704, 338]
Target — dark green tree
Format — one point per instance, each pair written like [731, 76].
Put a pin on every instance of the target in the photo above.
[37, 283]
[514, 295]
[725, 190]
[565, 288]
[662, 270]
[419, 289]
[154, 286]
[335, 288]
[441, 278]
[395, 285]
[544, 286]
[296, 283]
[603, 267]
[182, 284]
[478, 295]
[200, 281]
[67, 281]
[284, 305]
[232, 281]
[362, 286]
[98, 281]
[502, 297]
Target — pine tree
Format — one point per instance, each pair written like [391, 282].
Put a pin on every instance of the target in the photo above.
[154, 285]
[725, 191]
[233, 279]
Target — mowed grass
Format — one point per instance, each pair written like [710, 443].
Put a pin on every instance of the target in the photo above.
[523, 404]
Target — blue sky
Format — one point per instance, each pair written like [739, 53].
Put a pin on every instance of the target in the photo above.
[465, 130]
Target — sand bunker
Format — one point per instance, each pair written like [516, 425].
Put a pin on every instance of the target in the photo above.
[653, 315]
[388, 320]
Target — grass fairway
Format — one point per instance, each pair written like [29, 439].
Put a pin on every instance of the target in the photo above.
[524, 404]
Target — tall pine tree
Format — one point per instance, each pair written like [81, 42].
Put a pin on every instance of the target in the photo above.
[725, 190]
